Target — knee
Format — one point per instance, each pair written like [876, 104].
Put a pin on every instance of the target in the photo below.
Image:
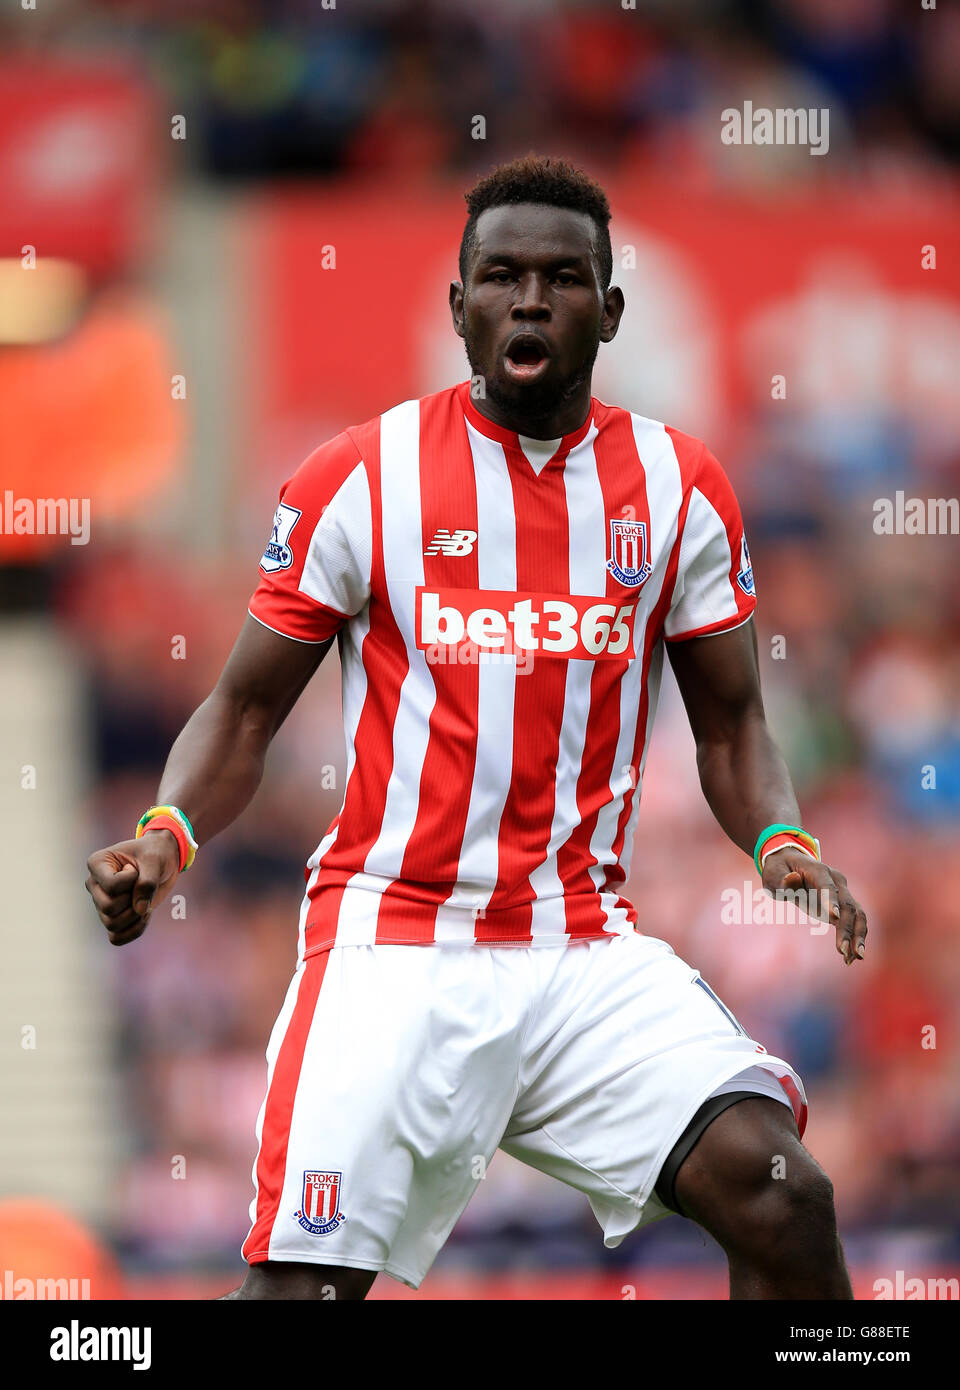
[787, 1216]
[751, 1183]
[802, 1200]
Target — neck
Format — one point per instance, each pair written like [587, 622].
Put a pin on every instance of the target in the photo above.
[564, 417]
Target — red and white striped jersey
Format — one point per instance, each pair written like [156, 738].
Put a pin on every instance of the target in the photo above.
[499, 604]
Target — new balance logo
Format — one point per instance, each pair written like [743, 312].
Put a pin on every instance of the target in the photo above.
[451, 542]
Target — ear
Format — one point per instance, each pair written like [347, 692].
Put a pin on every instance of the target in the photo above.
[613, 307]
[456, 306]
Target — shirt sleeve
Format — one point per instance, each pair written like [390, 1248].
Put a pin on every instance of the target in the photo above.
[714, 590]
[315, 570]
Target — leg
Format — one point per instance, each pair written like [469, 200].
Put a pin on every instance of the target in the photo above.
[374, 1062]
[624, 1046]
[327, 1283]
[749, 1181]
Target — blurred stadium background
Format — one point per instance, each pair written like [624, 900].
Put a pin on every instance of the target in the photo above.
[203, 310]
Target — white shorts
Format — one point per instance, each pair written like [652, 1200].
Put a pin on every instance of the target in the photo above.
[396, 1072]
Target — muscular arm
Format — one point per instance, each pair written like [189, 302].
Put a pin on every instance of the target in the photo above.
[742, 771]
[217, 761]
[213, 770]
[744, 777]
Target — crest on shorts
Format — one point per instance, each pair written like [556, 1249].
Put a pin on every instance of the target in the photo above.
[628, 552]
[745, 573]
[278, 555]
[320, 1210]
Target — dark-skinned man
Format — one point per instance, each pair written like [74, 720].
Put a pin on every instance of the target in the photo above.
[503, 565]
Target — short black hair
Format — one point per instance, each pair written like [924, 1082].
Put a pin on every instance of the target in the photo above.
[541, 179]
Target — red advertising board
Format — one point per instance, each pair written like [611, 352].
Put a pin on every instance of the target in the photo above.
[81, 153]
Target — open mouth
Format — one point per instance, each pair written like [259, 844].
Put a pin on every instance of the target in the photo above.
[526, 357]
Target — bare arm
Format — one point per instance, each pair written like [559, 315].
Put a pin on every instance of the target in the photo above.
[217, 761]
[212, 772]
[742, 772]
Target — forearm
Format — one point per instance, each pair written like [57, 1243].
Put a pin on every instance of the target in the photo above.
[744, 777]
[746, 782]
[216, 763]
[213, 770]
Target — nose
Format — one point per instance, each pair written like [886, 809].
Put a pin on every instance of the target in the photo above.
[531, 301]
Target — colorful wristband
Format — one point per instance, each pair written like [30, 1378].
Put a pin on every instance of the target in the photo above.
[777, 842]
[784, 835]
[173, 819]
[176, 830]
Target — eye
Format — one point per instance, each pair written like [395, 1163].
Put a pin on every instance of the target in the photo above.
[565, 277]
[501, 276]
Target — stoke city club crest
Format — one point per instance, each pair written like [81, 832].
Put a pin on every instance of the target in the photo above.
[628, 561]
[320, 1208]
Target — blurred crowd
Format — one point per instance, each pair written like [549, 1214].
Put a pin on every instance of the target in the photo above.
[859, 633]
[300, 86]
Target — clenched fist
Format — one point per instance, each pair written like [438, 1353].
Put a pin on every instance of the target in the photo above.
[128, 880]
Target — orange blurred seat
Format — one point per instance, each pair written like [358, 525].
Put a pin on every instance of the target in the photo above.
[40, 1241]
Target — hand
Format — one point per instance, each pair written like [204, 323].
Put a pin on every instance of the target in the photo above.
[789, 871]
[128, 880]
